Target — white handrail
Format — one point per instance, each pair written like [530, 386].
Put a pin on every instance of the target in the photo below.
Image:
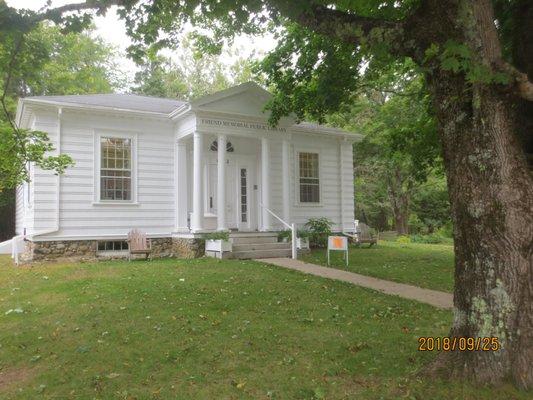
[278, 218]
[292, 227]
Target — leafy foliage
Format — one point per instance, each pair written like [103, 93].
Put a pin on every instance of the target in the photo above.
[193, 75]
[316, 81]
[26, 146]
[399, 152]
[216, 236]
[48, 62]
[284, 235]
[319, 230]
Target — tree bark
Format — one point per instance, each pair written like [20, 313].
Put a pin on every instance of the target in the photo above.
[400, 199]
[491, 196]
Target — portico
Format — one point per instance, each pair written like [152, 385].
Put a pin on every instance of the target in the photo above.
[243, 175]
[230, 178]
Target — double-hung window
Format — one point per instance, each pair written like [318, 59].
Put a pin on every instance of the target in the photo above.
[115, 169]
[309, 179]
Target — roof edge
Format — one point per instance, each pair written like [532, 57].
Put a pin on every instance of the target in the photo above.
[67, 105]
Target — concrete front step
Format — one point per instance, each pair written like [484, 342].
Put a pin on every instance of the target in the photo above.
[261, 246]
[247, 245]
[254, 239]
[272, 253]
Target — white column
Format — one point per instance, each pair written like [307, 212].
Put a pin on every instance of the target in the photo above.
[285, 176]
[197, 222]
[221, 184]
[265, 182]
[180, 173]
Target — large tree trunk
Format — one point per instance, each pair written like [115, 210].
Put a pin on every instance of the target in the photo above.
[484, 150]
[491, 195]
[492, 208]
[399, 197]
[400, 223]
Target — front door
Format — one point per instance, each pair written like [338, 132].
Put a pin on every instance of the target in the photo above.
[246, 219]
[239, 193]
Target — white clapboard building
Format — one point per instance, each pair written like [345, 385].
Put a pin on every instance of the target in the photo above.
[176, 170]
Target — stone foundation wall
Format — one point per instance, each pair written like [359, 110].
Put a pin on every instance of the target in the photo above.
[189, 248]
[162, 247]
[87, 249]
[45, 251]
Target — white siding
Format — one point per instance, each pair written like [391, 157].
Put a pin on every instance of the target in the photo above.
[330, 181]
[44, 183]
[80, 213]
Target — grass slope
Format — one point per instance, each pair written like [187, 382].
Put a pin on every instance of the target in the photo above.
[206, 329]
[426, 265]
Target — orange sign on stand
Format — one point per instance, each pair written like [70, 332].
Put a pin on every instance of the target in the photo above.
[338, 243]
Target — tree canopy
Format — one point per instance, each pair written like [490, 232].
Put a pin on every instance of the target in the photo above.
[193, 74]
[48, 62]
[476, 57]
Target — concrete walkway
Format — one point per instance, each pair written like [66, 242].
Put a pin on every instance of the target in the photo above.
[432, 297]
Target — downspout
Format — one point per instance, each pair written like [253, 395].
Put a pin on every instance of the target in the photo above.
[341, 182]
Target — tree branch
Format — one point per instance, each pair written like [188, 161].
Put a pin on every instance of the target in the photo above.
[55, 14]
[7, 81]
[347, 27]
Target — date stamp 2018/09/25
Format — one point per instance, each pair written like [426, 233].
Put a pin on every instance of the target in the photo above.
[430, 343]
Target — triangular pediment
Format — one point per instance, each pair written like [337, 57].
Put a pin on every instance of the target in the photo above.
[248, 99]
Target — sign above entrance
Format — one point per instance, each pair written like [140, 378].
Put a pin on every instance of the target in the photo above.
[241, 125]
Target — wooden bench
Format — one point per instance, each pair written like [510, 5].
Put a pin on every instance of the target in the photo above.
[138, 244]
[362, 234]
[365, 235]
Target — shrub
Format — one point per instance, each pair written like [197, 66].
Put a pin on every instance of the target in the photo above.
[446, 230]
[302, 233]
[433, 238]
[403, 239]
[216, 236]
[319, 230]
[415, 224]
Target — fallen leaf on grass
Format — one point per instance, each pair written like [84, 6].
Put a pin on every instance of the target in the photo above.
[238, 385]
[14, 310]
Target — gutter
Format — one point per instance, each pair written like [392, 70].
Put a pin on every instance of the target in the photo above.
[180, 111]
[76, 106]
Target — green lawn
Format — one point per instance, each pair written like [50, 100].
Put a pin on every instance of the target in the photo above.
[426, 265]
[207, 329]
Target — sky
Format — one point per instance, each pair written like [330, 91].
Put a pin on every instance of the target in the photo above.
[112, 30]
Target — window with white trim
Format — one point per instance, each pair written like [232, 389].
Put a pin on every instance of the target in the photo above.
[309, 180]
[115, 169]
[113, 245]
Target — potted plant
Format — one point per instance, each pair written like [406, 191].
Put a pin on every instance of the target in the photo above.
[217, 242]
[285, 236]
[302, 239]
